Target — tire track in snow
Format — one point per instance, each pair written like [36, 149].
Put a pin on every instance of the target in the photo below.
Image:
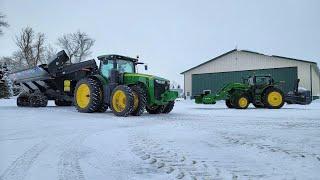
[69, 166]
[270, 148]
[273, 149]
[19, 168]
[174, 163]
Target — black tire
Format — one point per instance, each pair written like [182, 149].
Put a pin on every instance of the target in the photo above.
[58, 102]
[168, 108]
[275, 102]
[23, 100]
[38, 100]
[140, 100]
[258, 105]
[125, 107]
[289, 102]
[242, 102]
[155, 109]
[88, 100]
[229, 104]
[102, 108]
[44, 101]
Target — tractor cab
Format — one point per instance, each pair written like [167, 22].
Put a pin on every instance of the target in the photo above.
[116, 62]
[260, 80]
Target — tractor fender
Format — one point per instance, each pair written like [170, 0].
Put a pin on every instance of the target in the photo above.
[267, 88]
[99, 78]
[105, 88]
[236, 92]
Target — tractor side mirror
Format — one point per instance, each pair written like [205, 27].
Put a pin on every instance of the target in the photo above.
[146, 67]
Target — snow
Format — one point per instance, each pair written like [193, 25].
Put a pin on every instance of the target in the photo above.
[192, 142]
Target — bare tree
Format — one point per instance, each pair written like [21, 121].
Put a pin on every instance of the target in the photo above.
[77, 45]
[31, 47]
[3, 23]
[50, 52]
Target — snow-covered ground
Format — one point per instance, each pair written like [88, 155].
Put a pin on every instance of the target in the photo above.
[193, 142]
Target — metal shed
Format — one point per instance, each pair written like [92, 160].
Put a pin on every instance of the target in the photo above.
[232, 66]
[215, 81]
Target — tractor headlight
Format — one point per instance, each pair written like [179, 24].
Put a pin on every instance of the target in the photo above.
[160, 81]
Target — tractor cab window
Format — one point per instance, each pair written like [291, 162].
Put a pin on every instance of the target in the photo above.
[250, 81]
[262, 81]
[106, 68]
[125, 66]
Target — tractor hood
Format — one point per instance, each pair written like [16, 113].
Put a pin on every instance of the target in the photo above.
[150, 77]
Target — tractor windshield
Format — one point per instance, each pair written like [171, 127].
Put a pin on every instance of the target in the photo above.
[262, 80]
[125, 66]
[122, 66]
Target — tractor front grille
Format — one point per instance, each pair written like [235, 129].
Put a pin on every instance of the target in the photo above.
[160, 89]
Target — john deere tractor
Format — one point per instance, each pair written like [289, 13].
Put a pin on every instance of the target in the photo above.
[117, 85]
[260, 90]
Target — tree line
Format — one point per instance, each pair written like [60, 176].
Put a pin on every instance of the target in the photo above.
[33, 48]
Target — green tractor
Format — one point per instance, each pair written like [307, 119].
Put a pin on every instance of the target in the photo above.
[260, 90]
[117, 85]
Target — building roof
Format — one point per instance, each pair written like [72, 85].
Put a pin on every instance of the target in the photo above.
[247, 51]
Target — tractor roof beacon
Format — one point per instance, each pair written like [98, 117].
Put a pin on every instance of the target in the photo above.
[118, 85]
[260, 90]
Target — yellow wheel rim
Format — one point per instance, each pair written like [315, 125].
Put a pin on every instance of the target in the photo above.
[119, 101]
[83, 96]
[275, 99]
[135, 101]
[243, 102]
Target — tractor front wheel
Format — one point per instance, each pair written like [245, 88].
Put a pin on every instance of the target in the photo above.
[242, 102]
[155, 109]
[122, 101]
[273, 98]
[87, 95]
[168, 108]
[229, 104]
[139, 100]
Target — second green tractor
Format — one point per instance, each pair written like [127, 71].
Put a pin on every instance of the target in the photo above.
[260, 90]
[117, 85]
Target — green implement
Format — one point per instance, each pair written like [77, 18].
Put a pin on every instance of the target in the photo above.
[260, 90]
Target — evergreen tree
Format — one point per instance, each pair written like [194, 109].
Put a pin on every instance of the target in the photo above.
[5, 83]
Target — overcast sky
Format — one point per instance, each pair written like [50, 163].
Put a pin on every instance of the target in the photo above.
[172, 36]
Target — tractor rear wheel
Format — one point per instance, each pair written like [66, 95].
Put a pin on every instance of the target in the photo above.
[229, 104]
[122, 101]
[273, 98]
[102, 107]
[242, 102]
[140, 100]
[87, 95]
[168, 108]
[155, 109]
